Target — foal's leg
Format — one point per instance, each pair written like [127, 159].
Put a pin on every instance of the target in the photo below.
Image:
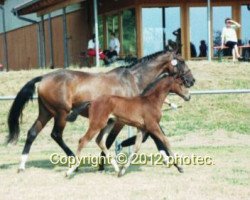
[101, 141]
[110, 139]
[138, 142]
[158, 135]
[83, 143]
[43, 118]
[132, 140]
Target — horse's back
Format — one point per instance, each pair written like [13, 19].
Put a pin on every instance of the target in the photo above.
[58, 88]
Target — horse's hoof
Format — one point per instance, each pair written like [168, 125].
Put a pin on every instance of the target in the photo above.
[121, 172]
[180, 170]
[71, 117]
[20, 170]
[67, 175]
[101, 168]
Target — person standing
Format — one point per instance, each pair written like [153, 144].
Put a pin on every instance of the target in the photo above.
[229, 37]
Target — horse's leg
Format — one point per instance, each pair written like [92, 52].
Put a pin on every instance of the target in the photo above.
[83, 143]
[138, 142]
[59, 125]
[132, 140]
[162, 142]
[43, 117]
[101, 141]
[110, 139]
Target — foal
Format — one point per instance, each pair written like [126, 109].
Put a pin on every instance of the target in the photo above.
[143, 112]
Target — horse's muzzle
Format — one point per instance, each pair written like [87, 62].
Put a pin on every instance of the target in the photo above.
[187, 97]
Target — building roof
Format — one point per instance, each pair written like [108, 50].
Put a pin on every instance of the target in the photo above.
[2, 2]
[46, 6]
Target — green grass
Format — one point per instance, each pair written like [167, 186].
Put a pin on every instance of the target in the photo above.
[203, 113]
[211, 125]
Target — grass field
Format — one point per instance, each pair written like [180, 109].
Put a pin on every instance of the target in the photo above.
[217, 126]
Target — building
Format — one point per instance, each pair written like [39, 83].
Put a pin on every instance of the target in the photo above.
[54, 32]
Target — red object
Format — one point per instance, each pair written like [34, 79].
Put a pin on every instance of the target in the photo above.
[1, 67]
[92, 53]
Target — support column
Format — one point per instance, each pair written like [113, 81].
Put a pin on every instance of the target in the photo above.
[43, 50]
[237, 16]
[65, 40]
[51, 64]
[105, 32]
[185, 35]
[5, 44]
[164, 27]
[120, 24]
[138, 13]
[96, 33]
[209, 30]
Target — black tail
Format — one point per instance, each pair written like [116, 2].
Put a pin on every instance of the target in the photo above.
[22, 98]
[76, 111]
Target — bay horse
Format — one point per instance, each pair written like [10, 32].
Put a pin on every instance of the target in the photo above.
[63, 90]
[143, 112]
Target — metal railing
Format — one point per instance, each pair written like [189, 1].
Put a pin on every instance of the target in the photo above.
[198, 92]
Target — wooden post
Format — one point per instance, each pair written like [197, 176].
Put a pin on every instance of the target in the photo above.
[138, 13]
[237, 16]
[120, 30]
[105, 36]
[185, 35]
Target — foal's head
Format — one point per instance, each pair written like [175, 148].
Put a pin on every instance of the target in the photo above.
[179, 88]
[175, 65]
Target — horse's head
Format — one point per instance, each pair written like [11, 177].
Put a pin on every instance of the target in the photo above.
[175, 65]
[179, 88]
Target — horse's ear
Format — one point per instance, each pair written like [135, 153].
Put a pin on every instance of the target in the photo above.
[177, 49]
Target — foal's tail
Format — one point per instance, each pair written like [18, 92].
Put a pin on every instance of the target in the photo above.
[22, 98]
[76, 111]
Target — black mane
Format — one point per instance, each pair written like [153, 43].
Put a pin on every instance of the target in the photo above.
[144, 60]
[147, 58]
[153, 84]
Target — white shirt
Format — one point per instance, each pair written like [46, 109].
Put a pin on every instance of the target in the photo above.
[91, 44]
[229, 34]
[115, 44]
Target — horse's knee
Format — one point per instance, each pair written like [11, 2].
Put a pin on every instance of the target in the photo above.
[31, 135]
[145, 137]
[55, 136]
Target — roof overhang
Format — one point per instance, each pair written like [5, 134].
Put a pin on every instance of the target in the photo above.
[42, 7]
[2, 2]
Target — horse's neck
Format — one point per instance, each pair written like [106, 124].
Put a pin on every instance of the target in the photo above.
[145, 74]
[159, 94]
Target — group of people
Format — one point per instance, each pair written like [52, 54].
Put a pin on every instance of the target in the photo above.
[228, 39]
[108, 56]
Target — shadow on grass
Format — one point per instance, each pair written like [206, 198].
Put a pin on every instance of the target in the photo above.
[83, 169]
[109, 170]
[43, 164]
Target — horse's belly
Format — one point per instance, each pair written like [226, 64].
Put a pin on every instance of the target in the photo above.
[136, 122]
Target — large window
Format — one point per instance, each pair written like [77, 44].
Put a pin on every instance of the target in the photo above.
[129, 32]
[198, 32]
[152, 30]
[112, 26]
[220, 13]
[172, 29]
[161, 29]
[245, 16]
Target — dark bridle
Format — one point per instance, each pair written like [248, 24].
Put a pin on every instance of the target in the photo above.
[180, 72]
